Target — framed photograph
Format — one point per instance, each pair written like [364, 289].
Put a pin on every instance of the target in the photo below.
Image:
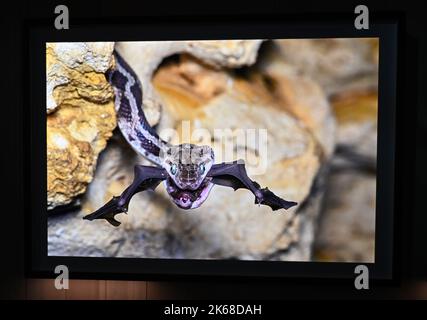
[215, 147]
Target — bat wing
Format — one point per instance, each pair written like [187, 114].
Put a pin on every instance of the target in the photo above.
[145, 178]
[234, 175]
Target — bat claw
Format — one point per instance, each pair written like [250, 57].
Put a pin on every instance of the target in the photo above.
[274, 202]
[108, 211]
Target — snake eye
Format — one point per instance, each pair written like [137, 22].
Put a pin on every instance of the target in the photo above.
[202, 168]
[174, 169]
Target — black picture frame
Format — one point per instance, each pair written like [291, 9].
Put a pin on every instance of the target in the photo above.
[386, 27]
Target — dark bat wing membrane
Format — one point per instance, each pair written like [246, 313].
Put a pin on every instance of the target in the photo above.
[273, 201]
[231, 175]
[234, 175]
[145, 178]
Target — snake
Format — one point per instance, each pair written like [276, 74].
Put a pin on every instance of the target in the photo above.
[187, 164]
[188, 171]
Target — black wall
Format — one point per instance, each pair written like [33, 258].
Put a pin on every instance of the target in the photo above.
[412, 134]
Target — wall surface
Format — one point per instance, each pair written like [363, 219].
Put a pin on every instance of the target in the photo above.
[43, 289]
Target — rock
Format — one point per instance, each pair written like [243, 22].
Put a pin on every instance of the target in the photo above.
[145, 57]
[353, 170]
[356, 113]
[224, 53]
[199, 97]
[64, 62]
[300, 96]
[307, 222]
[337, 64]
[80, 118]
[354, 212]
[347, 69]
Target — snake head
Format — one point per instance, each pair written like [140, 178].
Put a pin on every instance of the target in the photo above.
[187, 166]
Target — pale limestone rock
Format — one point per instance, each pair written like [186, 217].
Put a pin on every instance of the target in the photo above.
[145, 57]
[280, 94]
[357, 114]
[300, 96]
[63, 58]
[336, 64]
[354, 212]
[225, 53]
[80, 118]
[229, 224]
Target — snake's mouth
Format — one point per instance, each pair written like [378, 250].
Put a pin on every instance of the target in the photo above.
[186, 198]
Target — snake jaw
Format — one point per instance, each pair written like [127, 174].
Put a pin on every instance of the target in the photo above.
[188, 198]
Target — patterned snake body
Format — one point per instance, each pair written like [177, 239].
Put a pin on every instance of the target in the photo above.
[187, 164]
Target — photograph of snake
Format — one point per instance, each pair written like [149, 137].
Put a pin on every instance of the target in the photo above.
[215, 149]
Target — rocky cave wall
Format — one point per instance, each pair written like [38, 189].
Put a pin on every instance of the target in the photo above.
[242, 84]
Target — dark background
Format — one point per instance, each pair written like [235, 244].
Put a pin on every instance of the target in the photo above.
[411, 225]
